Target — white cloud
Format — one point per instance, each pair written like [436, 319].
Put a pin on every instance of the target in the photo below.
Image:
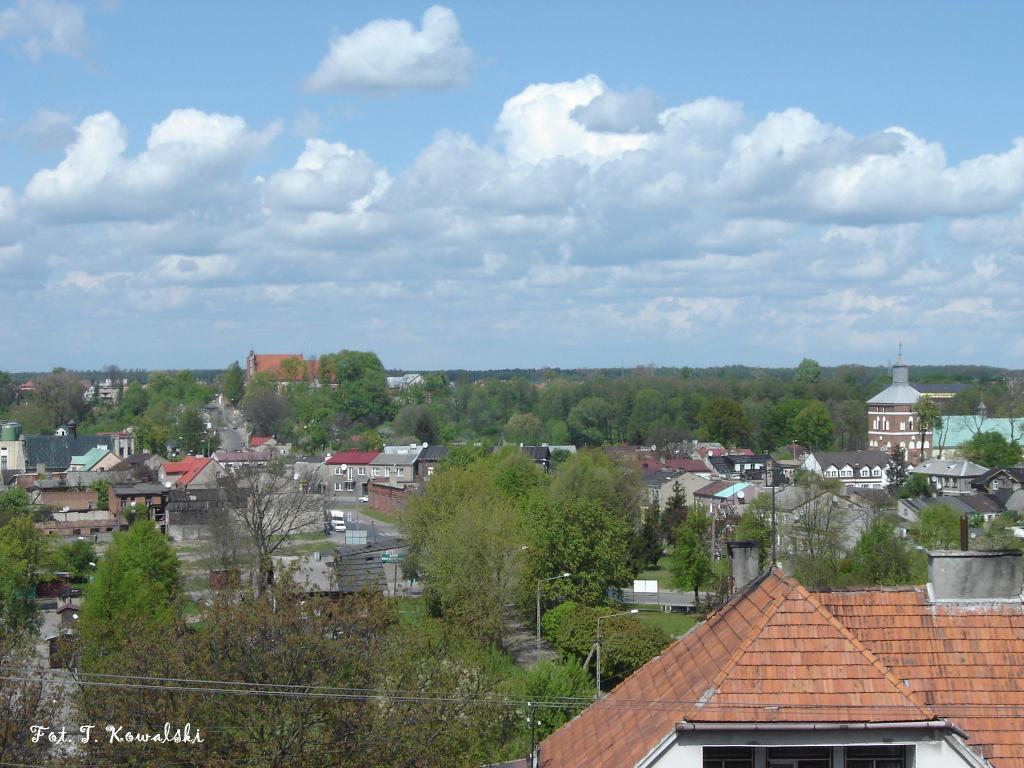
[392, 54]
[620, 112]
[327, 177]
[188, 156]
[42, 26]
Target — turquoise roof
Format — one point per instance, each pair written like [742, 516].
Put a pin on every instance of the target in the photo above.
[957, 430]
[89, 459]
[732, 490]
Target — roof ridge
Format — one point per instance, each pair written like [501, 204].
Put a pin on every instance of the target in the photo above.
[740, 649]
[865, 651]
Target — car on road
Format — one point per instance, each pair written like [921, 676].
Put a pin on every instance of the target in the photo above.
[364, 499]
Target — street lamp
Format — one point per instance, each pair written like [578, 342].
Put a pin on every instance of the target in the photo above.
[597, 670]
[539, 583]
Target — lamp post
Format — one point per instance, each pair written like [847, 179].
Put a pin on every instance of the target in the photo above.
[597, 645]
[539, 583]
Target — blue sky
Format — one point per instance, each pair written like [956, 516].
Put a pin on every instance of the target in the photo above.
[512, 184]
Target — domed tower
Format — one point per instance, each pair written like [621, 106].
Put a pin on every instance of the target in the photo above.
[891, 415]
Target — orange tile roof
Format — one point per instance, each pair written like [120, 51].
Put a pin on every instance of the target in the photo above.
[188, 468]
[271, 365]
[966, 662]
[778, 653]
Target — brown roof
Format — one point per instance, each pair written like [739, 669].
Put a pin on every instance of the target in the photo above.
[778, 653]
[963, 662]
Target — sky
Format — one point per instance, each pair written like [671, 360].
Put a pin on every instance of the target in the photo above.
[497, 185]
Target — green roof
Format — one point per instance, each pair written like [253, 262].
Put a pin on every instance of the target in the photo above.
[957, 430]
[90, 459]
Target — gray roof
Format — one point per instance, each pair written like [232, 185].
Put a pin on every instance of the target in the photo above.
[948, 468]
[896, 394]
[434, 453]
[55, 451]
[853, 458]
[977, 504]
[395, 459]
[359, 568]
[662, 476]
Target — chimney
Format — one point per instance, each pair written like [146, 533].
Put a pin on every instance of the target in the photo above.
[72, 428]
[955, 575]
[743, 563]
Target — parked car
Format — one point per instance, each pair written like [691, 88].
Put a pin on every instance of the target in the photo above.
[364, 499]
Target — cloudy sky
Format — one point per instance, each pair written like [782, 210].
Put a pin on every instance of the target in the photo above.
[511, 184]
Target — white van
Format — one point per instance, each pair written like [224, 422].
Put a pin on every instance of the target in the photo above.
[338, 520]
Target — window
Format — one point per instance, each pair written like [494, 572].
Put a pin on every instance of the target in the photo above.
[350, 486]
[728, 757]
[337, 470]
[387, 471]
[430, 471]
[865, 472]
[800, 757]
[376, 471]
[337, 487]
[877, 757]
[876, 472]
[361, 471]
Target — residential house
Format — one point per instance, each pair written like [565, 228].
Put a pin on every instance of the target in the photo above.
[349, 472]
[53, 453]
[948, 477]
[784, 677]
[233, 460]
[848, 510]
[404, 381]
[740, 466]
[867, 469]
[54, 493]
[191, 473]
[122, 443]
[98, 459]
[1000, 478]
[538, 454]
[151, 497]
[693, 466]
[430, 457]
[661, 485]
[725, 497]
[395, 468]
[986, 505]
[143, 467]
[107, 391]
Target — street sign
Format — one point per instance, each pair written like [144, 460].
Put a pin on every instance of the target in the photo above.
[645, 586]
[392, 557]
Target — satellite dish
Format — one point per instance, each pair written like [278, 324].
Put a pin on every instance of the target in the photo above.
[739, 495]
[344, 467]
[74, 615]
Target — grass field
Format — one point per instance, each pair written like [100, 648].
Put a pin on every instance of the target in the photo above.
[380, 517]
[660, 573]
[675, 624]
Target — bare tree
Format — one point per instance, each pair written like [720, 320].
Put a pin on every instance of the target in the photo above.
[27, 700]
[268, 504]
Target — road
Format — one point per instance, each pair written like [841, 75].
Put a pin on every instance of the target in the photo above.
[230, 426]
[377, 532]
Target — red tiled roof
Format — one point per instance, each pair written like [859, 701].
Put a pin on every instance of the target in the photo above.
[687, 465]
[774, 653]
[964, 662]
[353, 457]
[256, 442]
[271, 364]
[188, 468]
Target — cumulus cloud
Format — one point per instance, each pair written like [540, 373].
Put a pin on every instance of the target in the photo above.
[572, 243]
[392, 54]
[42, 26]
[189, 155]
[620, 112]
[48, 129]
[327, 177]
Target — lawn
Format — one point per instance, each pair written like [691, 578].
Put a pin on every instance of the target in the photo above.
[661, 573]
[675, 624]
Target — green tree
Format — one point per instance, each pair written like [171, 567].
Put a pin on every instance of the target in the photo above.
[916, 486]
[929, 420]
[991, 449]
[755, 524]
[938, 527]
[232, 383]
[896, 469]
[60, 394]
[419, 421]
[14, 502]
[564, 681]
[525, 428]
[77, 557]
[812, 427]
[588, 421]
[362, 391]
[723, 421]
[882, 557]
[264, 409]
[808, 372]
[191, 431]
[648, 408]
[133, 591]
[690, 562]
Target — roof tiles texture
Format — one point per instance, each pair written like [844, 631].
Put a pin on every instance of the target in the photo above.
[777, 653]
[188, 469]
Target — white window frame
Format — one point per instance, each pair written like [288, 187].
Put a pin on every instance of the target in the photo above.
[337, 487]
[376, 472]
[361, 471]
[337, 470]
